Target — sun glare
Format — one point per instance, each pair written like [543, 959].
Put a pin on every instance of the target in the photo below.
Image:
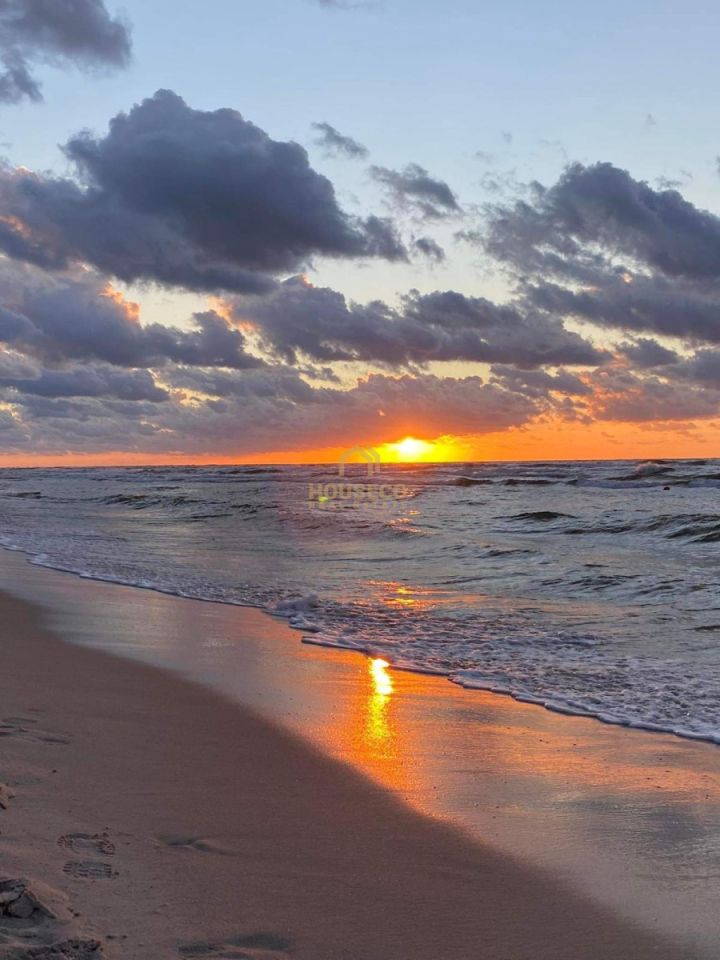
[411, 449]
[382, 683]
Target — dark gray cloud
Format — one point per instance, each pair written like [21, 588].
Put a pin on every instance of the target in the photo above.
[646, 354]
[595, 214]
[57, 319]
[441, 405]
[414, 189]
[539, 383]
[336, 144]
[502, 333]
[88, 381]
[672, 308]
[605, 248]
[702, 368]
[429, 248]
[622, 395]
[197, 199]
[268, 382]
[299, 319]
[81, 33]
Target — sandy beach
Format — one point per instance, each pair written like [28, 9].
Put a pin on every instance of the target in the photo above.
[154, 818]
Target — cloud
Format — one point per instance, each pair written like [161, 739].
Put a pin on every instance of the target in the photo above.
[595, 213]
[205, 200]
[539, 383]
[636, 303]
[80, 317]
[429, 248]
[414, 189]
[262, 411]
[645, 354]
[301, 320]
[702, 368]
[60, 32]
[81, 372]
[88, 381]
[336, 144]
[622, 395]
[605, 248]
[198, 199]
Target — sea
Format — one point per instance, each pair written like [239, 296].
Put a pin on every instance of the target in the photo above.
[591, 588]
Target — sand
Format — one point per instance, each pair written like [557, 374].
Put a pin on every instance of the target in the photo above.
[151, 818]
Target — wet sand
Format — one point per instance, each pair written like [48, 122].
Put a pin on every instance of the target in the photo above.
[156, 818]
[627, 818]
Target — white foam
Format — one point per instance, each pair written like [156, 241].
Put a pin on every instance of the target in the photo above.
[295, 605]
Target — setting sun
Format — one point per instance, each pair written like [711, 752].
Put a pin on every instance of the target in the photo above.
[412, 449]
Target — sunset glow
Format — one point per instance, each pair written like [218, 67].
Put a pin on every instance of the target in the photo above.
[412, 450]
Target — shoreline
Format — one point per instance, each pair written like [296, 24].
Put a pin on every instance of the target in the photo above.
[156, 818]
[627, 819]
[315, 639]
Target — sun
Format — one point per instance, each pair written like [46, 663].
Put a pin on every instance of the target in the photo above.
[411, 449]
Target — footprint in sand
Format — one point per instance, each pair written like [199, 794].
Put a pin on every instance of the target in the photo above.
[98, 843]
[224, 846]
[89, 870]
[26, 728]
[253, 946]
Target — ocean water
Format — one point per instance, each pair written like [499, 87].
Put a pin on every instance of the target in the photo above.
[590, 588]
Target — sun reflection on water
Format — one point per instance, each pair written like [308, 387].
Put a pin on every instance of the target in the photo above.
[407, 597]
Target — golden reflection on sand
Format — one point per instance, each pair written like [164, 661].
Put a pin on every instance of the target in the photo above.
[377, 728]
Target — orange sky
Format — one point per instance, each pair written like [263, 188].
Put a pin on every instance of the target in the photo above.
[549, 440]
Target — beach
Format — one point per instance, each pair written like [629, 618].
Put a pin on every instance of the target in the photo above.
[359, 476]
[157, 817]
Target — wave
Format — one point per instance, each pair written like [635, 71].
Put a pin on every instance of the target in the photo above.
[527, 482]
[698, 528]
[712, 537]
[140, 501]
[650, 468]
[471, 481]
[543, 516]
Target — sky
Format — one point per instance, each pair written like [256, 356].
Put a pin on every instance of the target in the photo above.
[270, 232]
